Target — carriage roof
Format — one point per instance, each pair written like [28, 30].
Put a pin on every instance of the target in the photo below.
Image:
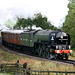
[13, 31]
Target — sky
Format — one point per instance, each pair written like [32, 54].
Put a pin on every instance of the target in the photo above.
[54, 10]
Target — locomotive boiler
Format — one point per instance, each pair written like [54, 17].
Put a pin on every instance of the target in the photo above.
[46, 43]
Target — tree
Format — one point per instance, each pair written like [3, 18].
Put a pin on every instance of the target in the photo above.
[38, 20]
[29, 22]
[69, 25]
[10, 23]
[42, 21]
[20, 23]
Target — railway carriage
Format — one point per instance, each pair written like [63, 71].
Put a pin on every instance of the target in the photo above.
[45, 43]
[13, 36]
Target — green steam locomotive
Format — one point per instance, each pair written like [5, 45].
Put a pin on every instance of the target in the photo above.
[50, 44]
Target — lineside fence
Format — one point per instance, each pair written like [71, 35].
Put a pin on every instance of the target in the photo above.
[19, 69]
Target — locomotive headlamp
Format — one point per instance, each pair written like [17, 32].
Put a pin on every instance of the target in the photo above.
[61, 36]
[63, 48]
[56, 46]
[69, 47]
[70, 51]
[58, 51]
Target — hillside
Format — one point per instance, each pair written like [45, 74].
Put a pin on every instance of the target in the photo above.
[34, 64]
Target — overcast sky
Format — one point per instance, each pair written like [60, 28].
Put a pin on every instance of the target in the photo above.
[55, 10]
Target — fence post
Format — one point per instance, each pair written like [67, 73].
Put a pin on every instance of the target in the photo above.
[17, 61]
[5, 67]
[56, 73]
[1, 67]
[65, 72]
[24, 66]
[28, 73]
[17, 65]
[48, 73]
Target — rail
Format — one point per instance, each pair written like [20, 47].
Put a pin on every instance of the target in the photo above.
[19, 69]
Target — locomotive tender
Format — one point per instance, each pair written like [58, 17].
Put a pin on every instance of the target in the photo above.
[45, 43]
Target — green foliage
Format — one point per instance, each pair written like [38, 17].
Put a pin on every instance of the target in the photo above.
[10, 23]
[69, 25]
[29, 22]
[42, 21]
[21, 22]
[38, 20]
[6, 73]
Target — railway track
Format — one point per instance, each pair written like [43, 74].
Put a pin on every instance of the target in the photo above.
[63, 62]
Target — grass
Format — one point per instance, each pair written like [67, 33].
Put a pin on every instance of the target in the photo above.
[72, 55]
[34, 64]
[7, 57]
[6, 74]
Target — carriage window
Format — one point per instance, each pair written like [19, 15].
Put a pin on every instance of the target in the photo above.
[53, 34]
[19, 37]
[14, 36]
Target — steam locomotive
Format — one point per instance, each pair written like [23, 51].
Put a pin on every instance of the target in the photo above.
[50, 44]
